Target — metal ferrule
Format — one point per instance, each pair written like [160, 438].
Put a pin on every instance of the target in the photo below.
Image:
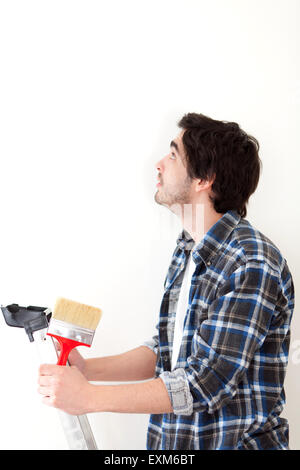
[70, 331]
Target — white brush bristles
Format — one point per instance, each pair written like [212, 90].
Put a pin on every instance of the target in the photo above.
[76, 313]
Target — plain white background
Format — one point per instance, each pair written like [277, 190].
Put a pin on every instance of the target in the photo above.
[90, 94]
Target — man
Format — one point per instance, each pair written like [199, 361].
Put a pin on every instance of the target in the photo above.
[218, 361]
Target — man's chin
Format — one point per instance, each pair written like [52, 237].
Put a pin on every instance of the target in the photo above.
[158, 200]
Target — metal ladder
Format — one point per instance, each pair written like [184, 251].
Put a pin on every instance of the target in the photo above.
[35, 321]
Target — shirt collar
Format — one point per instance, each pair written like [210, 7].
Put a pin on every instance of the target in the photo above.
[212, 240]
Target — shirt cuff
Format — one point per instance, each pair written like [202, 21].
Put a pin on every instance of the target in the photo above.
[178, 388]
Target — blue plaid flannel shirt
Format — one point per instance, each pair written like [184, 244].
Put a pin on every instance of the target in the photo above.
[227, 387]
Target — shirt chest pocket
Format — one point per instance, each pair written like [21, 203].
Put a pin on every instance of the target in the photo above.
[201, 296]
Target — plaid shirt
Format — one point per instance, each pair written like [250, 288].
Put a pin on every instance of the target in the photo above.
[227, 387]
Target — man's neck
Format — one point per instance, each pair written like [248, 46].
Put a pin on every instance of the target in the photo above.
[197, 219]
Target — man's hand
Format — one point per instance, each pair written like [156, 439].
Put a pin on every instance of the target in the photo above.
[65, 388]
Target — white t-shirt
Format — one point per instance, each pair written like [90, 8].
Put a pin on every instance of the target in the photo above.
[182, 308]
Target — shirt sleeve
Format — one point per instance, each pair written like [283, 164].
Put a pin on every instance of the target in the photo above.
[152, 344]
[235, 325]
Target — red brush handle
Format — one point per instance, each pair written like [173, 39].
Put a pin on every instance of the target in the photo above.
[66, 346]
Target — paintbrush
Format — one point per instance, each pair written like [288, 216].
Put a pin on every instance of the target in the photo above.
[72, 324]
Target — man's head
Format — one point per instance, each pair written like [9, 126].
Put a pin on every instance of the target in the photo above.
[209, 160]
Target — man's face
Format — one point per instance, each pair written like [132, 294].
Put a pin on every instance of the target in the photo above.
[174, 186]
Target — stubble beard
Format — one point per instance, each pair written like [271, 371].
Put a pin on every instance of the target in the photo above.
[179, 196]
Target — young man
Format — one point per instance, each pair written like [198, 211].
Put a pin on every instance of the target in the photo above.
[218, 361]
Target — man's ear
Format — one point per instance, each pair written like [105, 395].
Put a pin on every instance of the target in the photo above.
[203, 184]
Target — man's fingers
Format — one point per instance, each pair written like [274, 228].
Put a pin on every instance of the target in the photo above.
[45, 380]
[49, 369]
[47, 401]
[45, 391]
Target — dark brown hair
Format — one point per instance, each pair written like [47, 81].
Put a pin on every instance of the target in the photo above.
[223, 151]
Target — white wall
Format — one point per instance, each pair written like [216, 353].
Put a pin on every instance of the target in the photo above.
[90, 93]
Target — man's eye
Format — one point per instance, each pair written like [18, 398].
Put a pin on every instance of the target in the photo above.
[172, 156]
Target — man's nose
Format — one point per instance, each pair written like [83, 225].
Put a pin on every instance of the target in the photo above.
[159, 165]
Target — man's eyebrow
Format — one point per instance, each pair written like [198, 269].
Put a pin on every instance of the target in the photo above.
[173, 144]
